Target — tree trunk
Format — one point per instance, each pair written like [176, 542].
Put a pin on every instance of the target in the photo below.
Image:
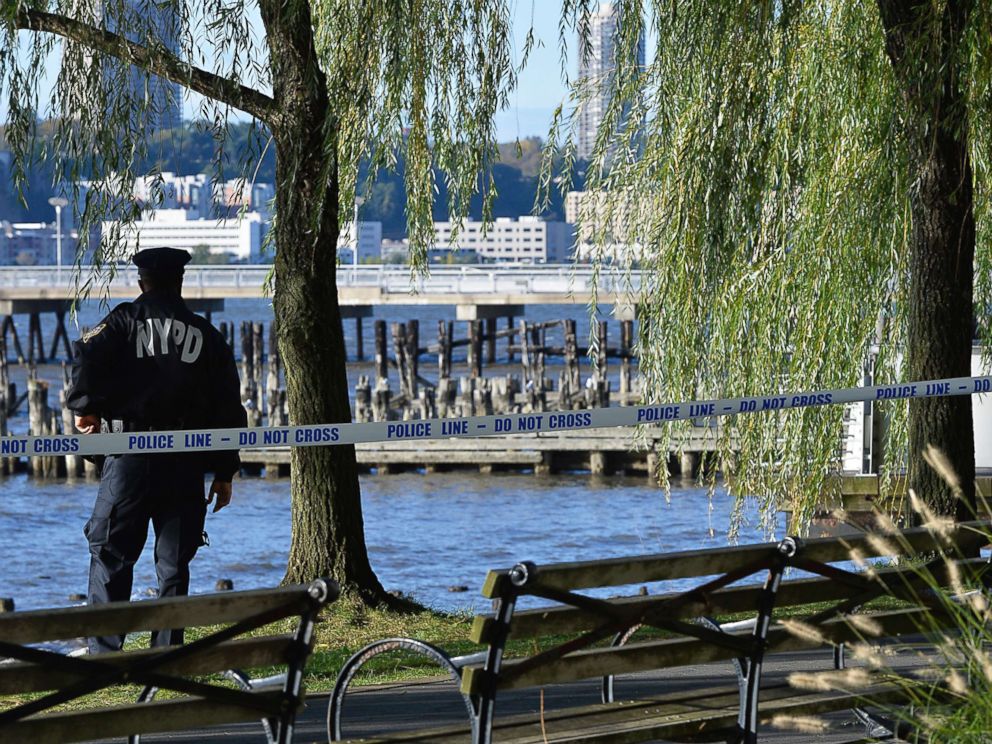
[328, 534]
[923, 47]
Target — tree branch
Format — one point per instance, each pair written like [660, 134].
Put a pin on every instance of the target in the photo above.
[158, 61]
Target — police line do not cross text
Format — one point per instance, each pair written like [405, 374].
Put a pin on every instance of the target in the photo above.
[473, 426]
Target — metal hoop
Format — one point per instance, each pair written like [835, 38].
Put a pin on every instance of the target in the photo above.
[362, 657]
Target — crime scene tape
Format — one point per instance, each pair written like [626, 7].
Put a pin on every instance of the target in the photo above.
[473, 426]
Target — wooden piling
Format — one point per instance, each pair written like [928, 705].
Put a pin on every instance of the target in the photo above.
[359, 341]
[413, 355]
[525, 361]
[247, 370]
[5, 390]
[539, 341]
[599, 393]
[626, 341]
[510, 333]
[443, 350]
[5, 462]
[491, 340]
[363, 400]
[381, 353]
[38, 417]
[445, 397]
[272, 382]
[36, 344]
[73, 463]
[258, 370]
[381, 394]
[402, 363]
[570, 393]
[474, 349]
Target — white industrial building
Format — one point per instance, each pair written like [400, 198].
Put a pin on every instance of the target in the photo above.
[600, 227]
[369, 241]
[507, 240]
[239, 237]
[34, 243]
[198, 194]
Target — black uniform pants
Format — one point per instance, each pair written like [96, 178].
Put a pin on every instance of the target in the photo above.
[164, 489]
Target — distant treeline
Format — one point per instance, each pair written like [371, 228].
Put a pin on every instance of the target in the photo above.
[191, 150]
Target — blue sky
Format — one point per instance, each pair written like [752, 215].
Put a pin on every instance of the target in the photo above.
[541, 85]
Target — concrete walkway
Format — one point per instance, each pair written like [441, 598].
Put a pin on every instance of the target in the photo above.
[394, 707]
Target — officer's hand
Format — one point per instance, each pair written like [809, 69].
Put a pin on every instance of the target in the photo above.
[222, 490]
[88, 423]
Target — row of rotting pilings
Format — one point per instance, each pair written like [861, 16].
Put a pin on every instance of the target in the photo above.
[43, 420]
[471, 394]
[475, 395]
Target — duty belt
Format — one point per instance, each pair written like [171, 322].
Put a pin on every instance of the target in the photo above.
[129, 426]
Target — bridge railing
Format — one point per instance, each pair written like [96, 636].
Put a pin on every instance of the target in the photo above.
[469, 279]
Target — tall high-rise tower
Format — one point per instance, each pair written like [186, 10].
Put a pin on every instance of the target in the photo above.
[596, 64]
[164, 98]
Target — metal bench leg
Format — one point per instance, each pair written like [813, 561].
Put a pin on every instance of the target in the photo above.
[302, 641]
[747, 723]
[484, 702]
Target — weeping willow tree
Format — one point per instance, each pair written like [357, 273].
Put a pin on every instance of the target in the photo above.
[805, 184]
[326, 84]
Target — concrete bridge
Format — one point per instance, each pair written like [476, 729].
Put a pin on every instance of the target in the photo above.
[479, 292]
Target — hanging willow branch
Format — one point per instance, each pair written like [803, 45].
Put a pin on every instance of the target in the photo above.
[759, 172]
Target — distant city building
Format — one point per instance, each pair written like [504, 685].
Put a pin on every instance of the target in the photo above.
[590, 213]
[239, 193]
[165, 99]
[191, 193]
[369, 243]
[198, 195]
[597, 62]
[523, 240]
[398, 252]
[240, 238]
[34, 244]
[395, 251]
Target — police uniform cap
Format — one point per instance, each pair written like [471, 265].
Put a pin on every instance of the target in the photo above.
[161, 261]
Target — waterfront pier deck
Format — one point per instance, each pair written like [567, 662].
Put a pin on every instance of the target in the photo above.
[598, 451]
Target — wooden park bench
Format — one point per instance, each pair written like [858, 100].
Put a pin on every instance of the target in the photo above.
[570, 639]
[51, 679]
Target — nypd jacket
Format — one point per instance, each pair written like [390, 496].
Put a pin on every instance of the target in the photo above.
[155, 365]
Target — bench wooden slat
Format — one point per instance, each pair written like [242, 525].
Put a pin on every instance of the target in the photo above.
[712, 561]
[647, 656]
[156, 716]
[562, 619]
[36, 626]
[670, 716]
[241, 654]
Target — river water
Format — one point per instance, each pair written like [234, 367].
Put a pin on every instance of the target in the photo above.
[425, 532]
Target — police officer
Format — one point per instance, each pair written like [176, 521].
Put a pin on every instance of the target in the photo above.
[154, 365]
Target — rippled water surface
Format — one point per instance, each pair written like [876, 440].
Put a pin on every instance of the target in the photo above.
[425, 533]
